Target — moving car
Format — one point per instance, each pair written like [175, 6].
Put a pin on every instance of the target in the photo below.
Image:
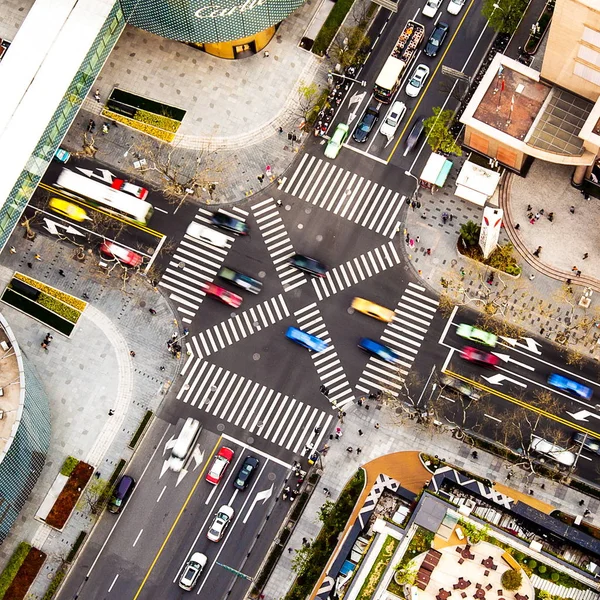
[415, 134]
[121, 493]
[220, 523]
[436, 39]
[431, 8]
[129, 188]
[373, 310]
[378, 350]
[246, 473]
[312, 342]
[242, 281]
[366, 125]
[206, 234]
[556, 453]
[311, 265]
[68, 209]
[479, 357]
[225, 296]
[110, 250]
[589, 443]
[571, 387]
[459, 386]
[476, 335]
[192, 571]
[228, 223]
[391, 122]
[417, 81]
[219, 465]
[455, 6]
[337, 140]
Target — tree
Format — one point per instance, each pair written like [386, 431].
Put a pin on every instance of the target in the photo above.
[349, 47]
[439, 136]
[302, 559]
[470, 232]
[309, 103]
[95, 496]
[512, 580]
[504, 15]
[325, 510]
[405, 574]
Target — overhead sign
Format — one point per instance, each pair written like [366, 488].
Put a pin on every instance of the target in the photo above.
[450, 72]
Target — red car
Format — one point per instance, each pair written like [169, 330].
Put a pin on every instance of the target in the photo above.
[130, 188]
[219, 465]
[479, 357]
[223, 295]
[110, 250]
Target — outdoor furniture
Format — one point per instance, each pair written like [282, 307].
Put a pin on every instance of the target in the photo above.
[486, 573]
[458, 549]
[463, 595]
[494, 567]
[500, 592]
[443, 595]
[456, 586]
[488, 587]
[478, 586]
[479, 594]
[461, 561]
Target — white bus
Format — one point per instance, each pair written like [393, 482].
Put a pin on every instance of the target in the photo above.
[184, 444]
[103, 196]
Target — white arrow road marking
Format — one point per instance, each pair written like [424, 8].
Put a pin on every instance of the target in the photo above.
[198, 456]
[106, 175]
[351, 118]
[52, 227]
[508, 340]
[507, 358]
[530, 344]
[583, 415]
[499, 378]
[169, 444]
[264, 496]
[181, 476]
[357, 98]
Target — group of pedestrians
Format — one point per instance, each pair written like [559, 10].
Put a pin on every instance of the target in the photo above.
[46, 342]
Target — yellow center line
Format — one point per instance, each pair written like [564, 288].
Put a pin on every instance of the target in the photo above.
[523, 404]
[187, 500]
[422, 95]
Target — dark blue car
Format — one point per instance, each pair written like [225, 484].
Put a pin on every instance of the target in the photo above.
[377, 349]
[312, 342]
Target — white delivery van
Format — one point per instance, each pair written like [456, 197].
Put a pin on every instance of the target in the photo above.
[184, 444]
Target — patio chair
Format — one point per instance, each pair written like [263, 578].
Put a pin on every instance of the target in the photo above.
[486, 573]
[483, 561]
[458, 549]
[488, 587]
[455, 586]
[478, 586]
[463, 594]
[461, 561]
[494, 567]
[500, 592]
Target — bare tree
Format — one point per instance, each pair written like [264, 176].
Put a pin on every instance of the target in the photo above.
[94, 497]
[349, 47]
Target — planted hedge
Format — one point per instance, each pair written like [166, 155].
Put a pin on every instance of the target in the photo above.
[142, 426]
[28, 571]
[76, 303]
[13, 566]
[331, 26]
[156, 132]
[68, 466]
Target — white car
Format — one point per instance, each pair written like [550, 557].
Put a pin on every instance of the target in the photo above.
[192, 571]
[392, 120]
[417, 81]
[431, 8]
[220, 523]
[455, 6]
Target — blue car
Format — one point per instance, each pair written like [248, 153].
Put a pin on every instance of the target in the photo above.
[377, 349]
[305, 339]
[570, 386]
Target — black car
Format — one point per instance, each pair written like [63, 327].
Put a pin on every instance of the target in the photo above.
[589, 443]
[415, 133]
[246, 473]
[311, 265]
[366, 125]
[436, 39]
[230, 223]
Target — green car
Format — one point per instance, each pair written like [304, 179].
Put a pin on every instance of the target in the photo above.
[337, 139]
[476, 335]
[242, 281]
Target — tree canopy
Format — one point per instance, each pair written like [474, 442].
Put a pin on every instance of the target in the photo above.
[504, 15]
[438, 132]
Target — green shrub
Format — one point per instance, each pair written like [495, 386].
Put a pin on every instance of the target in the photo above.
[76, 303]
[542, 569]
[159, 121]
[56, 306]
[68, 466]
[56, 581]
[140, 429]
[332, 24]
[512, 580]
[555, 577]
[13, 566]
[156, 132]
[76, 546]
[532, 564]
[519, 556]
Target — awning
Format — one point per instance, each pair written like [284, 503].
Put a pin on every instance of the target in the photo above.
[435, 171]
[476, 184]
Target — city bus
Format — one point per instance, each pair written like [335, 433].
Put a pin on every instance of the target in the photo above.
[184, 444]
[103, 196]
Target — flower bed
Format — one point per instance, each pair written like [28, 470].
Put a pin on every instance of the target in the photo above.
[63, 297]
[379, 566]
[539, 29]
[26, 575]
[500, 259]
[69, 496]
[157, 132]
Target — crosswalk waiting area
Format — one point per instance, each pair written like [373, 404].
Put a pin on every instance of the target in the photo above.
[194, 263]
[360, 200]
[257, 409]
[327, 363]
[278, 243]
[404, 335]
[356, 270]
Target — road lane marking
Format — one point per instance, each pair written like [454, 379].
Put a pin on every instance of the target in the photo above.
[138, 536]
[113, 582]
[161, 494]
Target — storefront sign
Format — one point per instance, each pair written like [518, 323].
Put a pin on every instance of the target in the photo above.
[210, 12]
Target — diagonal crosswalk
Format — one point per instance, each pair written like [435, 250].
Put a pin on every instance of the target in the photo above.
[357, 199]
[356, 270]
[328, 365]
[278, 243]
[257, 409]
[404, 335]
[194, 263]
[240, 326]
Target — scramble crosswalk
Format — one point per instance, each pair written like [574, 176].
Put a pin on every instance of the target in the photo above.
[360, 200]
[278, 243]
[328, 365]
[404, 335]
[240, 326]
[193, 264]
[356, 270]
[257, 409]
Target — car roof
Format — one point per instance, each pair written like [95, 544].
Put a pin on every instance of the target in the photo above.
[226, 509]
[199, 558]
[226, 452]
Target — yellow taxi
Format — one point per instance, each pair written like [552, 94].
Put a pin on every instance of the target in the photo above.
[373, 310]
[68, 209]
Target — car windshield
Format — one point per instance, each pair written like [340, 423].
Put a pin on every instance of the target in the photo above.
[435, 39]
[415, 81]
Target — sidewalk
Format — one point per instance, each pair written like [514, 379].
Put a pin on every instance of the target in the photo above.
[86, 376]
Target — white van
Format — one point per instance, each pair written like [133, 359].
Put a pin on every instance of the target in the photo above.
[560, 455]
[201, 232]
[184, 444]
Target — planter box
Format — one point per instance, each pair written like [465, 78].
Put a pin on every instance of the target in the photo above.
[25, 575]
[533, 41]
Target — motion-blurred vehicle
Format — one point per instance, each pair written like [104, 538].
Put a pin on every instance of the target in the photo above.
[455, 6]
[220, 523]
[571, 387]
[560, 455]
[242, 281]
[459, 386]
[417, 81]
[246, 473]
[377, 349]
[206, 234]
[476, 335]
[589, 443]
[337, 140]
[225, 296]
[371, 309]
[366, 125]
[436, 39]
[228, 223]
[414, 135]
[312, 342]
[393, 119]
[431, 8]
[130, 188]
[479, 357]
[68, 209]
[130, 258]
[219, 465]
[192, 571]
[310, 265]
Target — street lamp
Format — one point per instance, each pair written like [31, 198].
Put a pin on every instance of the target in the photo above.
[414, 194]
[331, 75]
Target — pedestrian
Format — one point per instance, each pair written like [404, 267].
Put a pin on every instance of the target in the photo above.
[161, 368]
[578, 273]
[91, 126]
[517, 227]
[132, 354]
[451, 217]
[572, 210]
[361, 432]
[325, 491]
[462, 272]
[537, 252]
[424, 215]
[44, 345]
[30, 265]
[377, 426]
[279, 202]
[508, 476]
[537, 216]
[585, 256]
[574, 268]
[280, 130]
[48, 337]
[581, 502]
[444, 218]
[97, 95]
[61, 273]
[532, 221]
[407, 238]
[317, 430]
[104, 128]
[111, 412]
[418, 239]
[428, 252]
[411, 243]
[543, 486]
[587, 512]
[290, 550]
[361, 401]
[151, 311]
[532, 277]
[542, 330]
[367, 407]
[529, 208]
[531, 492]
[266, 54]
[349, 449]
[474, 454]
[569, 281]
[551, 217]
[13, 250]
[541, 211]
[358, 450]
[37, 257]
[260, 177]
